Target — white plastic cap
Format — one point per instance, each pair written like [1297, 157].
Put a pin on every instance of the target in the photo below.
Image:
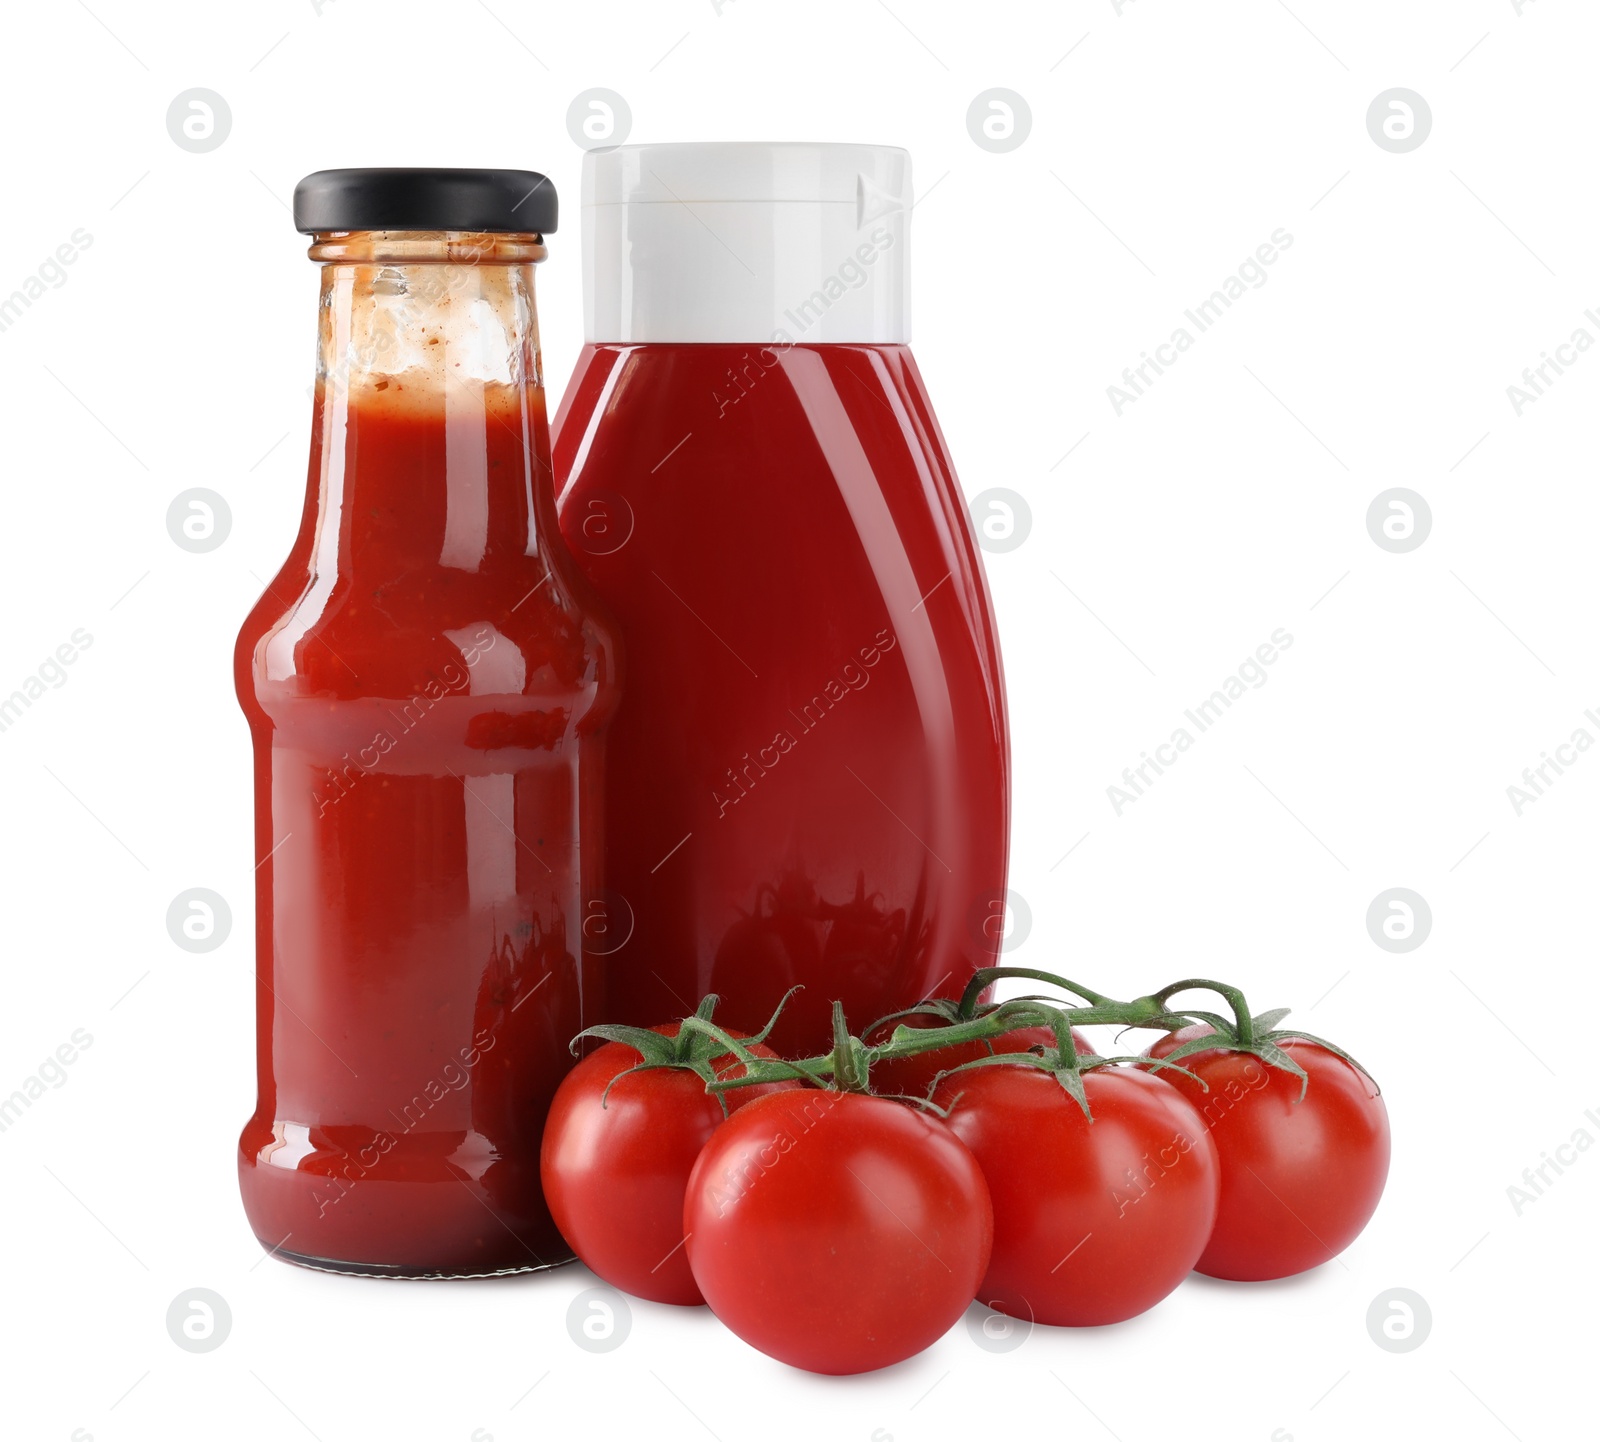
[743, 242]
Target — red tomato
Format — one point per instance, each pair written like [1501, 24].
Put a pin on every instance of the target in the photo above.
[614, 1176]
[1093, 1221]
[913, 1076]
[1300, 1178]
[834, 1231]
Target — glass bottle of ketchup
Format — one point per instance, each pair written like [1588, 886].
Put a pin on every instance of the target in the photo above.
[808, 775]
[426, 680]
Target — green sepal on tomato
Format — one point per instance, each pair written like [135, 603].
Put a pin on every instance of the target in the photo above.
[622, 1135]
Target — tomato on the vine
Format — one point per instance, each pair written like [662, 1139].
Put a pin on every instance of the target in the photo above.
[614, 1174]
[1094, 1222]
[914, 1075]
[1301, 1176]
[836, 1231]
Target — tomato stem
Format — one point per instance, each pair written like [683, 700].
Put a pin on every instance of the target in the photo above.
[847, 1065]
[1243, 1024]
[986, 977]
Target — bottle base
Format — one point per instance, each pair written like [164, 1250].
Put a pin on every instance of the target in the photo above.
[424, 1207]
[401, 1273]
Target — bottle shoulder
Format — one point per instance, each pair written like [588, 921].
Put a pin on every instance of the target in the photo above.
[522, 634]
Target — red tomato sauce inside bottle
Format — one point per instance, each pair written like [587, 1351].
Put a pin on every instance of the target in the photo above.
[807, 777]
[424, 680]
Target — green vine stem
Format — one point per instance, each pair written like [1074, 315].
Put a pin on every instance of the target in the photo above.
[847, 1066]
[1243, 1023]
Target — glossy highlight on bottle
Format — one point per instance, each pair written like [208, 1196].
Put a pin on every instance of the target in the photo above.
[425, 681]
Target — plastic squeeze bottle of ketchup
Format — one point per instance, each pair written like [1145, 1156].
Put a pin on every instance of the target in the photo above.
[808, 775]
[425, 681]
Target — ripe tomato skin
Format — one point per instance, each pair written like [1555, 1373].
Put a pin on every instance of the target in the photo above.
[1094, 1222]
[913, 1076]
[835, 1231]
[1300, 1178]
[614, 1176]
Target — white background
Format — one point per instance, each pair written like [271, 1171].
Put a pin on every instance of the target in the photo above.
[1167, 143]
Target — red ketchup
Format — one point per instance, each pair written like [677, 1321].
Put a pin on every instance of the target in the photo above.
[808, 775]
[424, 679]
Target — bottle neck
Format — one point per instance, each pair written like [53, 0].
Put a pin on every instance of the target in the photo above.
[430, 442]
